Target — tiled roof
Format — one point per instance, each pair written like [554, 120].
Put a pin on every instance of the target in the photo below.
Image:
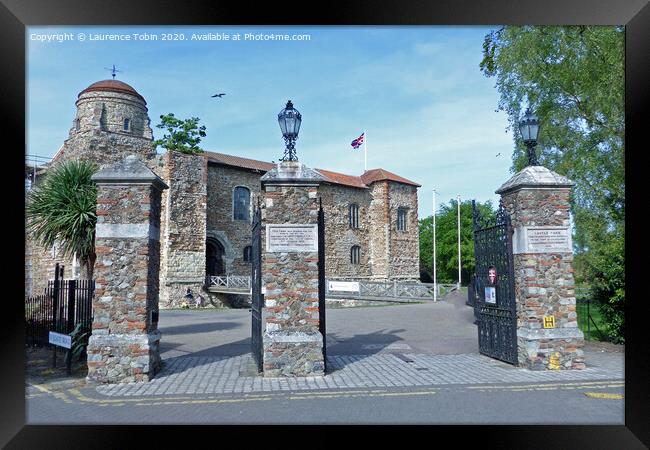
[238, 161]
[373, 175]
[333, 177]
[112, 86]
[340, 178]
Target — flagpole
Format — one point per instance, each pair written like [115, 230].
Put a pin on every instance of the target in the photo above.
[365, 152]
[459, 263]
[435, 281]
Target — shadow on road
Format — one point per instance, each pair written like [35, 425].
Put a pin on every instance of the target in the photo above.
[196, 328]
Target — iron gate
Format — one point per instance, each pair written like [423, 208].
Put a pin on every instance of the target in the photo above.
[257, 298]
[321, 279]
[496, 305]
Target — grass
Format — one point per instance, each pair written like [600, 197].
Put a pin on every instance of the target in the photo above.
[586, 325]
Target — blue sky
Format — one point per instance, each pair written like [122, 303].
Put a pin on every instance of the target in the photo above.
[428, 111]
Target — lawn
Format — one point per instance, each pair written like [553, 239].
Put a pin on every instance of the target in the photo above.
[594, 329]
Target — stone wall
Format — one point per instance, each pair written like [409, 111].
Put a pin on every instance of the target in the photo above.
[339, 237]
[404, 246]
[101, 138]
[39, 266]
[544, 284]
[292, 340]
[124, 345]
[233, 234]
[379, 212]
[184, 230]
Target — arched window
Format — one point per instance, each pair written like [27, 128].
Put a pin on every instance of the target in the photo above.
[401, 218]
[355, 253]
[354, 215]
[247, 253]
[241, 199]
[77, 124]
[127, 124]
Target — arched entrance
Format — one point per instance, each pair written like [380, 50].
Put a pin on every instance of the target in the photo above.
[214, 252]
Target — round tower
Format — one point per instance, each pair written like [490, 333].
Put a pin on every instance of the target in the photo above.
[111, 123]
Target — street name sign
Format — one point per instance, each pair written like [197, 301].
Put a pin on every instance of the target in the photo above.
[60, 340]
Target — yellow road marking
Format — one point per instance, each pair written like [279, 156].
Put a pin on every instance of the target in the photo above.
[546, 385]
[59, 395]
[603, 395]
[369, 394]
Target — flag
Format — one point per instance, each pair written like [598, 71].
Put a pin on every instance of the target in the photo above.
[358, 141]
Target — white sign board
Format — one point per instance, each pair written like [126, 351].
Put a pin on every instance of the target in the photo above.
[291, 238]
[61, 340]
[542, 240]
[346, 286]
[490, 295]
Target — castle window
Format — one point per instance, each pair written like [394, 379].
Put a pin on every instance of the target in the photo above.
[401, 218]
[355, 253]
[127, 124]
[77, 124]
[247, 253]
[354, 215]
[241, 199]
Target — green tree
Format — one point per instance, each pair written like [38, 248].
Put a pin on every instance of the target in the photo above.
[573, 78]
[183, 135]
[447, 241]
[62, 210]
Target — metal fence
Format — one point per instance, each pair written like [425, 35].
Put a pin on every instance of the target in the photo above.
[242, 282]
[64, 305]
[398, 291]
[587, 310]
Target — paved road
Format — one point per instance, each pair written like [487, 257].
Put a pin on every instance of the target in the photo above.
[445, 327]
[392, 364]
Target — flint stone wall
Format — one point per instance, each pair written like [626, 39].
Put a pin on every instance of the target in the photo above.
[101, 138]
[544, 285]
[404, 246]
[233, 234]
[124, 345]
[292, 340]
[340, 237]
[183, 263]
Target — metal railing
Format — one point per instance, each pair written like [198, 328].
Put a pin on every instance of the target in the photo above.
[397, 291]
[64, 305]
[401, 291]
[230, 282]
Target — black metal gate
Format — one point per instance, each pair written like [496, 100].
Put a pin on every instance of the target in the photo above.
[495, 285]
[321, 279]
[257, 298]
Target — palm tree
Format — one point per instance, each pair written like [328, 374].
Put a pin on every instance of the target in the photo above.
[61, 211]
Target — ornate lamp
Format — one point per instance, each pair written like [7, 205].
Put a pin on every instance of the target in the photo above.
[529, 128]
[289, 119]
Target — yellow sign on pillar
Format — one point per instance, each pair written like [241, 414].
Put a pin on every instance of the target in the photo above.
[549, 321]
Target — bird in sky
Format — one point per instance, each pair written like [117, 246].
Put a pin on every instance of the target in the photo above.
[218, 95]
[498, 154]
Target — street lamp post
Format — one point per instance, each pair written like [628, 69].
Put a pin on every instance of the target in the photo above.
[529, 129]
[289, 119]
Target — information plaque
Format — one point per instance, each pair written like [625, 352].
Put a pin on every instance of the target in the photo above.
[542, 240]
[291, 238]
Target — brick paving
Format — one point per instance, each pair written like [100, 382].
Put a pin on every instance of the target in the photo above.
[226, 375]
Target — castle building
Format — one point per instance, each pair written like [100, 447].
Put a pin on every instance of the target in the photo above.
[371, 220]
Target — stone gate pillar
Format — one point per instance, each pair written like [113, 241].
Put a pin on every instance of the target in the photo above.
[548, 336]
[293, 344]
[124, 345]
